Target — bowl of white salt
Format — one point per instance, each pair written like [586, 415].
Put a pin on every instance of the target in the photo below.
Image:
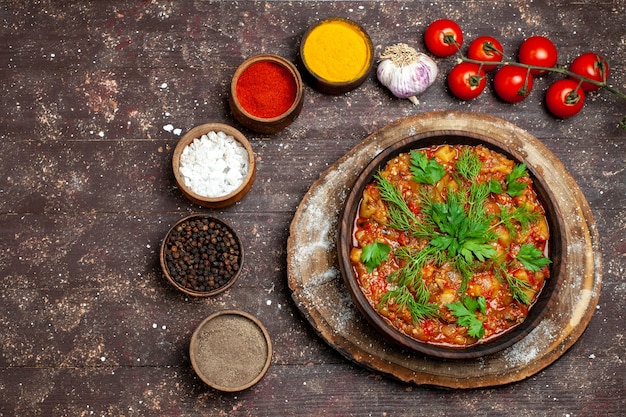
[214, 165]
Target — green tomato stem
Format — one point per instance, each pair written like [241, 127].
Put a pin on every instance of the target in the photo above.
[557, 70]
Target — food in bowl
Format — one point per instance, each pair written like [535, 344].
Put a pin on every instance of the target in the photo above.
[214, 164]
[450, 244]
[266, 93]
[201, 255]
[338, 55]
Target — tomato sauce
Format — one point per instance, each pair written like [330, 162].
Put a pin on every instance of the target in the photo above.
[490, 279]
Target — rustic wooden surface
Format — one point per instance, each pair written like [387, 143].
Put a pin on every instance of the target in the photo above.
[89, 324]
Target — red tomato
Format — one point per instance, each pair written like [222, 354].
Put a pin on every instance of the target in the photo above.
[565, 98]
[591, 66]
[538, 51]
[486, 48]
[513, 83]
[443, 37]
[466, 80]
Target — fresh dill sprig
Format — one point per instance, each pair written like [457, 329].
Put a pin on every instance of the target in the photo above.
[414, 260]
[532, 259]
[468, 164]
[400, 215]
[519, 288]
[478, 192]
[417, 304]
[520, 215]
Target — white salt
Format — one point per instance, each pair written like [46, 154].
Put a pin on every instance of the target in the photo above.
[214, 165]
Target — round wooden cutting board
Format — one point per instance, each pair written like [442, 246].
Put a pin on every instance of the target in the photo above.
[319, 292]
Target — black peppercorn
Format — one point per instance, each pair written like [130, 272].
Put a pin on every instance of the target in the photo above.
[202, 255]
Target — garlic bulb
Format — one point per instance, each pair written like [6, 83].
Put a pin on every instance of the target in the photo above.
[406, 72]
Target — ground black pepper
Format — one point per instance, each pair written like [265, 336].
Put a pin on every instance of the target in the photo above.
[202, 254]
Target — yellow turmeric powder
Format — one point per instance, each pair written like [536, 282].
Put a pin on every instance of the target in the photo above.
[337, 51]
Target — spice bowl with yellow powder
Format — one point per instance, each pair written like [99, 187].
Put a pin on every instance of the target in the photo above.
[266, 93]
[337, 54]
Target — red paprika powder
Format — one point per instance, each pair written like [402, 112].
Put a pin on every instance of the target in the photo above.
[266, 89]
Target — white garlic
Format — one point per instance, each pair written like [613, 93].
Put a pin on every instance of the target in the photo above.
[406, 72]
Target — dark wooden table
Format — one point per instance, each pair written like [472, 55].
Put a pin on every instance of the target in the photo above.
[92, 96]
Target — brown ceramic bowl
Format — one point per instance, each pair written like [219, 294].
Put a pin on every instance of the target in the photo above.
[321, 82]
[230, 350]
[273, 124]
[217, 201]
[556, 249]
[195, 278]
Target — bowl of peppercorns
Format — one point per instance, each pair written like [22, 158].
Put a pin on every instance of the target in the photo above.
[201, 256]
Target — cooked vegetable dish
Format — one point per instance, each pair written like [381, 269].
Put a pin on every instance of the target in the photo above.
[450, 244]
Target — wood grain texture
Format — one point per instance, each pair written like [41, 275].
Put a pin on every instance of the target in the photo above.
[89, 324]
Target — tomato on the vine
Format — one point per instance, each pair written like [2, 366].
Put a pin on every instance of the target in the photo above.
[443, 37]
[466, 80]
[538, 51]
[591, 66]
[565, 98]
[487, 49]
[513, 83]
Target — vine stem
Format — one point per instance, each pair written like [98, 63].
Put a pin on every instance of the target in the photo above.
[558, 70]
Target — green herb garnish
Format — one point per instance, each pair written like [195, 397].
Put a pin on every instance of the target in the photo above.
[468, 165]
[424, 170]
[400, 215]
[518, 216]
[466, 312]
[417, 303]
[515, 187]
[520, 289]
[531, 257]
[373, 254]
[453, 227]
[460, 235]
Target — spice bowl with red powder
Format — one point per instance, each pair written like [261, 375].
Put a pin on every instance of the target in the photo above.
[266, 93]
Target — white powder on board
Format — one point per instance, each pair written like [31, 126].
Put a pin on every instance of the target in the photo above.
[214, 165]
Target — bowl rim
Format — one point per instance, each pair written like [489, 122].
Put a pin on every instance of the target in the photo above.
[193, 347]
[338, 87]
[224, 200]
[279, 60]
[193, 293]
[557, 248]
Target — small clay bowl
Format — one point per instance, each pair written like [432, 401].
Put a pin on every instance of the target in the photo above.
[315, 35]
[258, 122]
[556, 249]
[178, 243]
[230, 350]
[214, 201]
